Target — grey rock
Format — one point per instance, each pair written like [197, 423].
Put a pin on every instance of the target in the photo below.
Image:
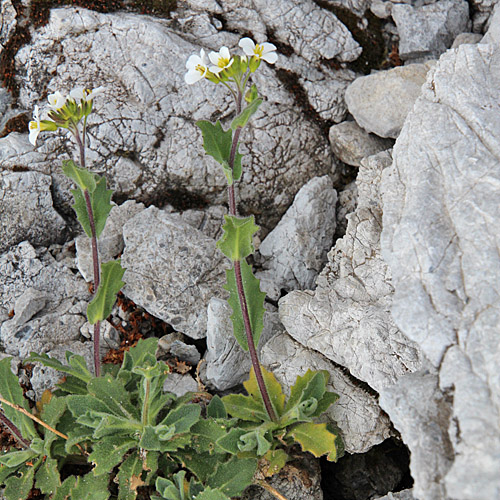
[145, 120]
[466, 38]
[493, 33]
[400, 495]
[8, 22]
[295, 250]
[110, 241]
[27, 211]
[356, 413]
[482, 14]
[165, 342]
[347, 202]
[350, 143]
[180, 384]
[227, 364]
[380, 102]
[23, 270]
[298, 480]
[427, 31]
[348, 316]
[209, 221]
[172, 269]
[381, 9]
[357, 7]
[441, 212]
[185, 352]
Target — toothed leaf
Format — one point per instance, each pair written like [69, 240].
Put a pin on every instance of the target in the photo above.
[316, 439]
[236, 242]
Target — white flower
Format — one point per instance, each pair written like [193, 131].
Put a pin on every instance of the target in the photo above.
[34, 126]
[197, 68]
[220, 60]
[56, 100]
[82, 94]
[264, 51]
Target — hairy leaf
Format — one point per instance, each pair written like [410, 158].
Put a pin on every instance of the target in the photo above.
[255, 304]
[82, 177]
[90, 487]
[183, 417]
[233, 476]
[210, 494]
[114, 395]
[316, 439]
[109, 452]
[205, 434]
[276, 461]
[12, 392]
[77, 369]
[236, 242]
[273, 387]
[245, 408]
[200, 464]
[18, 486]
[129, 477]
[111, 283]
[14, 458]
[242, 119]
[230, 441]
[47, 477]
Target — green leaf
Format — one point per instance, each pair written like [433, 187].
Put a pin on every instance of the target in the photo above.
[76, 370]
[84, 179]
[251, 94]
[245, 408]
[230, 442]
[276, 460]
[183, 417]
[141, 354]
[242, 119]
[210, 494]
[76, 435]
[16, 458]
[80, 208]
[310, 385]
[129, 477]
[64, 490]
[111, 424]
[316, 439]
[200, 464]
[233, 476]
[113, 394]
[47, 477]
[236, 242]
[111, 283]
[215, 408]
[255, 440]
[205, 435]
[90, 487]
[12, 392]
[101, 205]
[17, 487]
[216, 142]
[273, 387]
[167, 489]
[255, 304]
[109, 452]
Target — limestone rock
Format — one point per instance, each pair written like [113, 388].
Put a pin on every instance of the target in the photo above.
[427, 31]
[142, 132]
[350, 143]
[185, 352]
[110, 241]
[180, 384]
[50, 302]
[227, 364]
[295, 250]
[440, 239]
[347, 201]
[27, 212]
[400, 495]
[356, 412]
[466, 38]
[8, 22]
[172, 269]
[348, 317]
[380, 102]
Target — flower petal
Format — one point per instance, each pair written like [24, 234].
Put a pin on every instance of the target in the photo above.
[192, 76]
[215, 69]
[268, 47]
[193, 61]
[248, 46]
[224, 52]
[77, 94]
[270, 57]
[214, 58]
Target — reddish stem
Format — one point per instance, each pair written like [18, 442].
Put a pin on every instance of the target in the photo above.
[239, 284]
[11, 427]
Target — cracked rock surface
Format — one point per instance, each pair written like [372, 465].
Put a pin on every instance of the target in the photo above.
[441, 240]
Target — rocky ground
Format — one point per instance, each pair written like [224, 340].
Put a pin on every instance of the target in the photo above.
[373, 168]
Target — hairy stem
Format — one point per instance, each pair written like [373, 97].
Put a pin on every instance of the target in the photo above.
[95, 255]
[10, 426]
[145, 405]
[239, 283]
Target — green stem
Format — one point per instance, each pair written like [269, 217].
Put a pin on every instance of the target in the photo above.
[95, 255]
[145, 404]
[239, 283]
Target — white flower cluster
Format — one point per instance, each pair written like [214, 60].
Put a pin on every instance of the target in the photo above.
[78, 97]
[199, 66]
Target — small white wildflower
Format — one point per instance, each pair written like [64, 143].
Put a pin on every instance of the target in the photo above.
[83, 94]
[34, 126]
[197, 68]
[56, 100]
[265, 51]
[221, 60]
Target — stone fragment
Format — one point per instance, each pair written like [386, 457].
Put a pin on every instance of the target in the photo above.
[493, 33]
[347, 318]
[428, 30]
[172, 270]
[346, 204]
[180, 384]
[227, 364]
[380, 102]
[208, 221]
[27, 211]
[400, 495]
[8, 22]
[482, 13]
[356, 412]
[381, 9]
[185, 352]
[440, 239]
[295, 250]
[350, 143]
[110, 241]
[146, 118]
[466, 38]
[58, 321]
